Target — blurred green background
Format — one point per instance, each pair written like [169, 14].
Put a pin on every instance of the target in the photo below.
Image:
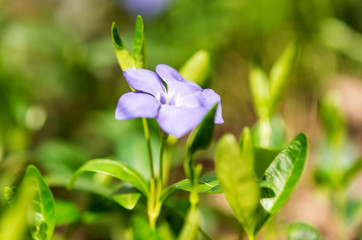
[60, 81]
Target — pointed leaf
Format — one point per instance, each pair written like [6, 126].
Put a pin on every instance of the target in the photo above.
[237, 179]
[279, 75]
[127, 200]
[43, 205]
[201, 137]
[197, 68]
[115, 169]
[259, 86]
[283, 174]
[139, 44]
[263, 158]
[302, 231]
[124, 58]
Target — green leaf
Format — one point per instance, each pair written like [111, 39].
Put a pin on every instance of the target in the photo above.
[13, 221]
[127, 200]
[190, 228]
[124, 58]
[66, 213]
[352, 171]
[302, 231]
[43, 205]
[139, 44]
[197, 68]
[263, 158]
[207, 184]
[114, 169]
[259, 87]
[279, 75]
[142, 229]
[235, 172]
[284, 174]
[201, 137]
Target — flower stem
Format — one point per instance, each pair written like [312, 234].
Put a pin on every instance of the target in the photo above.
[148, 141]
[162, 153]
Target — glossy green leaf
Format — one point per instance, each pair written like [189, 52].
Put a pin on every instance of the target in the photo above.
[142, 229]
[139, 44]
[124, 58]
[259, 87]
[127, 200]
[66, 213]
[279, 75]
[201, 137]
[197, 68]
[43, 205]
[114, 169]
[207, 184]
[284, 173]
[235, 172]
[190, 228]
[302, 231]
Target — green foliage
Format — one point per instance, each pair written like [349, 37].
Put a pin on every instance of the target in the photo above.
[235, 171]
[283, 174]
[127, 200]
[138, 57]
[114, 169]
[197, 68]
[66, 212]
[302, 231]
[142, 230]
[43, 207]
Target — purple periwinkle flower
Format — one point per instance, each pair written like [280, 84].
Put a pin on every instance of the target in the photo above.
[178, 108]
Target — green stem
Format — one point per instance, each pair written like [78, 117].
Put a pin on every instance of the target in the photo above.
[148, 141]
[162, 153]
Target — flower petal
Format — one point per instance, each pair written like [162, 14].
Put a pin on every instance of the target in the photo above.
[210, 98]
[136, 105]
[179, 120]
[145, 81]
[176, 84]
[207, 98]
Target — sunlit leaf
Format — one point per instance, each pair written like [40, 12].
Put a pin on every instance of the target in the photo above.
[9, 193]
[279, 75]
[283, 174]
[197, 68]
[43, 205]
[124, 58]
[302, 231]
[115, 169]
[127, 200]
[263, 158]
[139, 44]
[207, 184]
[201, 137]
[235, 172]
